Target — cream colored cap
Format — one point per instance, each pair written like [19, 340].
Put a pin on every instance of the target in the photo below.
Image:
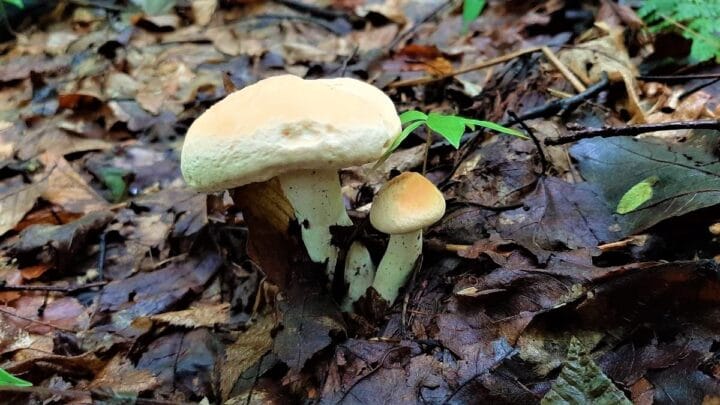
[407, 203]
[283, 124]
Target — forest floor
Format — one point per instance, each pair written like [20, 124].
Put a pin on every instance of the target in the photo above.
[119, 284]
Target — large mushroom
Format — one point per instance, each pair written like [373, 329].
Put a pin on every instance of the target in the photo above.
[402, 208]
[300, 132]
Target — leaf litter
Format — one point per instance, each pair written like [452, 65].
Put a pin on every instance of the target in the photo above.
[117, 281]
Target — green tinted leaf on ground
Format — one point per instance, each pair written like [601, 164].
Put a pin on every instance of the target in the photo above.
[7, 379]
[582, 382]
[690, 174]
[471, 10]
[638, 195]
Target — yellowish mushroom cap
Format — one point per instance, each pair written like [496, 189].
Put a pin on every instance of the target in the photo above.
[283, 124]
[407, 203]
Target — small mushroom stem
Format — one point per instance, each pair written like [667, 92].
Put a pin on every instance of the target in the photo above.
[398, 262]
[359, 273]
[316, 197]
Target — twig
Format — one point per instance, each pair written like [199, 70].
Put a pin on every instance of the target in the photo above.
[81, 394]
[698, 87]
[314, 11]
[678, 78]
[481, 65]
[576, 83]
[303, 18]
[536, 141]
[101, 255]
[51, 288]
[634, 130]
[567, 105]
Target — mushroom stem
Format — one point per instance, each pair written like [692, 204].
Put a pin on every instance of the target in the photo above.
[317, 200]
[359, 273]
[398, 262]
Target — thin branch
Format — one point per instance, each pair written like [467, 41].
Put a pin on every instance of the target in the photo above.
[569, 76]
[481, 65]
[677, 78]
[608, 132]
[83, 394]
[698, 87]
[543, 160]
[567, 105]
[51, 288]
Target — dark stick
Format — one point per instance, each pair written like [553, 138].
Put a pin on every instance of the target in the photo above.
[101, 254]
[50, 288]
[634, 130]
[567, 105]
[678, 78]
[536, 141]
[698, 87]
[312, 10]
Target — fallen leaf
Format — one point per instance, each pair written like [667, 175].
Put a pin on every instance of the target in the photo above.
[66, 188]
[582, 381]
[120, 375]
[16, 202]
[687, 176]
[155, 292]
[249, 347]
[196, 317]
[61, 244]
[184, 361]
[309, 322]
[203, 10]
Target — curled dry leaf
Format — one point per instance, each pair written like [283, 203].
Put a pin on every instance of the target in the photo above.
[195, 317]
[250, 346]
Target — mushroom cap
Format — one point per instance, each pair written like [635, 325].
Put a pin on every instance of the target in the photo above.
[284, 123]
[406, 203]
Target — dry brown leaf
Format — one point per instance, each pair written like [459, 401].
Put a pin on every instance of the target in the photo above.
[49, 137]
[203, 10]
[247, 350]
[120, 375]
[66, 188]
[196, 317]
[16, 202]
[607, 54]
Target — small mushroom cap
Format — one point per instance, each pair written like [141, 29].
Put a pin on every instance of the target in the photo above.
[407, 203]
[284, 123]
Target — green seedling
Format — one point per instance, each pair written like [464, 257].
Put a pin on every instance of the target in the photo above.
[696, 20]
[637, 195]
[450, 127]
[471, 10]
[7, 379]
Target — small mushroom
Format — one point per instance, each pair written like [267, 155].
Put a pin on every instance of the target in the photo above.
[402, 208]
[300, 131]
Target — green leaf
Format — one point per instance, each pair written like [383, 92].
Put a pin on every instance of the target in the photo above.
[471, 11]
[7, 379]
[409, 116]
[17, 3]
[495, 127]
[398, 140]
[582, 382]
[638, 195]
[114, 179]
[451, 127]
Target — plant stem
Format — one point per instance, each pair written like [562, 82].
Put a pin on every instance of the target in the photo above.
[428, 143]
